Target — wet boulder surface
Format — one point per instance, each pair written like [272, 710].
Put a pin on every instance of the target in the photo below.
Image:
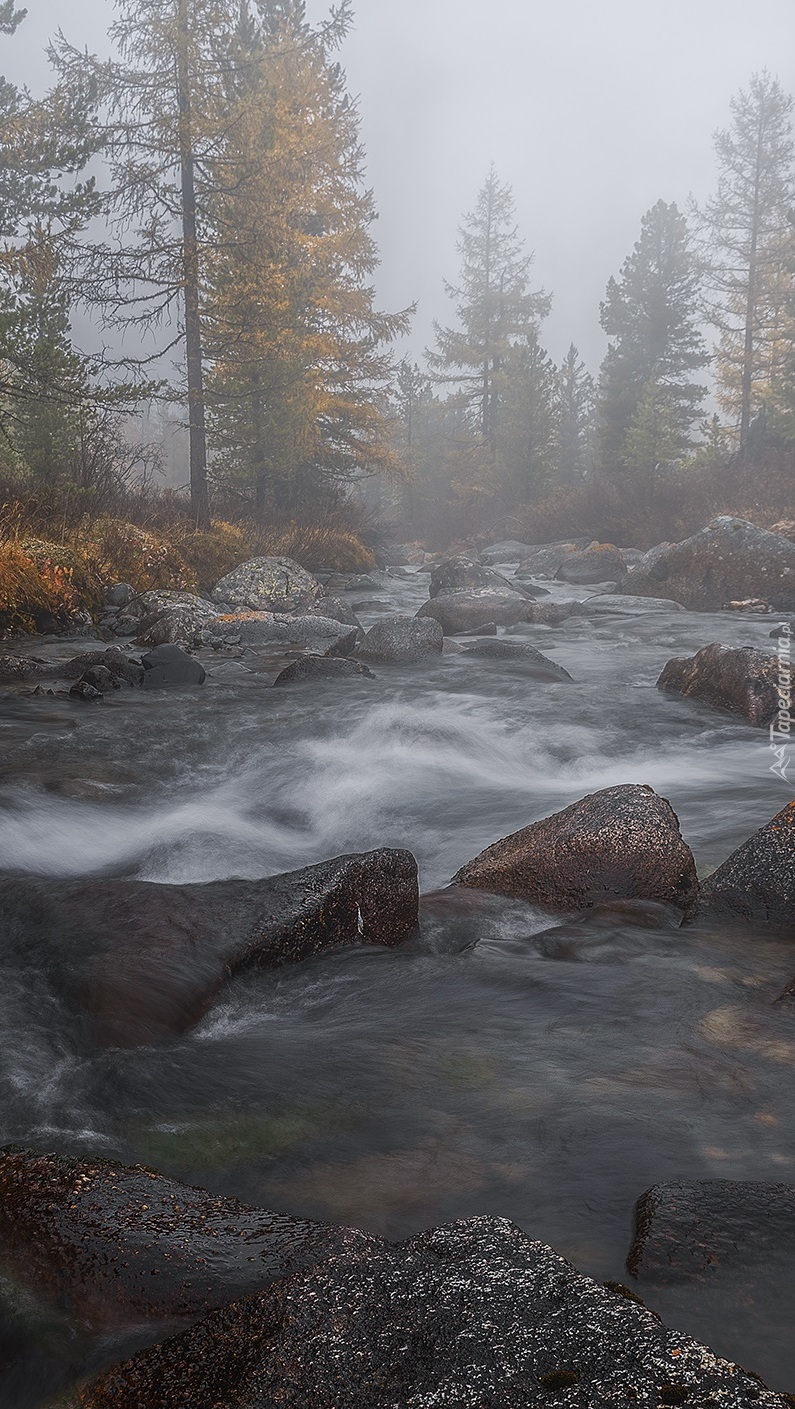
[729, 560]
[464, 574]
[320, 634]
[111, 1244]
[146, 960]
[537, 665]
[168, 665]
[309, 669]
[740, 680]
[268, 584]
[401, 640]
[697, 1229]
[601, 562]
[622, 843]
[472, 1315]
[465, 609]
[755, 886]
[176, 625]
[113, 659]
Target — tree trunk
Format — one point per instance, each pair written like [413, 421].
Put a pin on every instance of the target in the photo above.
[199, 501]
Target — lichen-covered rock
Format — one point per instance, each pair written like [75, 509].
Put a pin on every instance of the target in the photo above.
[621, 843]
[756, 884]
[146, 960]
[176, 626]
[469, 1316]
[308, 669]
[468, 608]
[738, 679]
[537, 665]
[261, 629]
[17, 668]
[402, 640]
[268, 585]
[601, 562]
[160, 599]
[695, 1229]
[464, 574]
[334, 610]
[730, 560]
[114, 1243]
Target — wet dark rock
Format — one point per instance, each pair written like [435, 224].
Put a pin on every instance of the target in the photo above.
[552, 613]
[268, 585]
[112, 659]
[146, 960]
[356, 582]
[741, 680]
[756, 884]
[121, 625]
[317, 633]
[101, 678]
[469, 608]
[83, 690]
[401, 640]
[469, 1316]
[489, 628]
[539, 666]
[112, 1244]
[621, 843]
[119, 595]
[692, 1230]
[601, 562]
[464, 574]
[311, 668]
[332, 609]
[730, 560]
[169, 665]
[16, 668]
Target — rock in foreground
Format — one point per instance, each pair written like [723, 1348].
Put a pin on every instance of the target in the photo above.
[402, 640]
[691, 1230]
[730, 560]
[738, 679]
[146, 960]
[536, 664]
[469, 1316]
[113, 1244]
[622, 843]
[756, 884]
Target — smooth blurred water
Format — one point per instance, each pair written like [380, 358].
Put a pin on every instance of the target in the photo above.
[486, 1068]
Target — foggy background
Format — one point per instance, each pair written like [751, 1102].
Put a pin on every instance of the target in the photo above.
[590, 111]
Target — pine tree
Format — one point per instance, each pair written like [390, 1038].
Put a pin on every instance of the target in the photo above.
[528, 437]
[496, 308]
[650, 314]
[577, 399]
[301, 359]
[747, 223]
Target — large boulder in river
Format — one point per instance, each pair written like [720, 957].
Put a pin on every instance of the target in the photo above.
[146, 960]
[268, 585]
[402, 640]
[167, 666]
[176, 625]
[469, 608]
[122, 667]
[117, 1244]
[161, 599]
[544, 559]
[463, 574]
[311, 669]
[473, 1315]
[508, 551]
[533, 661]
[621, 843]
[756, 884]
[730, 560]
[601, 562]
[738, 679]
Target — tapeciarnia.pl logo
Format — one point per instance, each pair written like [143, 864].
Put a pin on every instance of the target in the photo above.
[781, 725]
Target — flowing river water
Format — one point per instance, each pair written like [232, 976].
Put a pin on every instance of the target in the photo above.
[487, 1067]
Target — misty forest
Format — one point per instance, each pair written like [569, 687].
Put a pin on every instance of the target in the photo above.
[397, 893]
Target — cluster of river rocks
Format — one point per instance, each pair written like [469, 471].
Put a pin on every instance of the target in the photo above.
[262, 1309]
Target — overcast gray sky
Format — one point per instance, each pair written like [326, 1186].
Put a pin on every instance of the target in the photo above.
[591, 109]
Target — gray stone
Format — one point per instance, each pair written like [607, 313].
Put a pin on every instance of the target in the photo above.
[544, 559]
[509, 551]
[113, 659]
[756, 885]
[622, 843]
[620, 604]
[539, 666]
[602, 562]
[261, 629]
[473, 1315]
[15, 668]
[467, 609]
[167, 665]
[730, 560]
[119, 595]
[312, 668]
[268, 585]
[696, 1229]
[740, 680]
[402, 640]
[176, 626]
[89, 694]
